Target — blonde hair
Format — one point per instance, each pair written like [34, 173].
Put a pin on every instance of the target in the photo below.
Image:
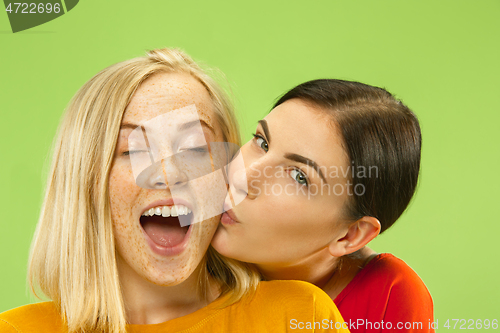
[72, 258]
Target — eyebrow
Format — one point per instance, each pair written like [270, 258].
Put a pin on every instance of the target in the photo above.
[128, 125]
[306, 161]
[134, 126]
[182, 127]
[193, 123]
[263, 123]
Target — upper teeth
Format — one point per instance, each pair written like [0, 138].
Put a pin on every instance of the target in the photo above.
[167, 211]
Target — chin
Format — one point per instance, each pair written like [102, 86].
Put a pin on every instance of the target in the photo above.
[171, 276]
[222, 246]
[219, 241]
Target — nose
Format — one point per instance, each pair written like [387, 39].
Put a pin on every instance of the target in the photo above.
[238, 183]
[245, 174]
[157, 180]
[173, 174]
[161, 174]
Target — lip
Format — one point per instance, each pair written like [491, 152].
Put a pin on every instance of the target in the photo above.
[168, 202]
[167, 250]
[229, 218]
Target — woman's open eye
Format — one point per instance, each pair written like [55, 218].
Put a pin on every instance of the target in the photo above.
[299, 177]
[261, 142]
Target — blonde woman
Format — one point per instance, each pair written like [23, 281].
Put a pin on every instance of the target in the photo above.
[109, 251]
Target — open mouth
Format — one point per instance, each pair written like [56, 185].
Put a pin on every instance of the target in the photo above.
[163, 226]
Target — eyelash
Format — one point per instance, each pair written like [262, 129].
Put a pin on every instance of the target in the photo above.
[130, 152]
[306, 184]
[201, 149]
[258, 136]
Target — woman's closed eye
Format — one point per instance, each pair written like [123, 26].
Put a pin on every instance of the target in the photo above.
[132, 152]
[199, 149]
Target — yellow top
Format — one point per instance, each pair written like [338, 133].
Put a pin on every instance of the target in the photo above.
[276, 306]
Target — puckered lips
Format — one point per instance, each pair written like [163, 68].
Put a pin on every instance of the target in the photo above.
[229, 218]
[162, 228]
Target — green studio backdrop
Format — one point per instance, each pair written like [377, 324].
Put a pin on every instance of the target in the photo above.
[441, 57]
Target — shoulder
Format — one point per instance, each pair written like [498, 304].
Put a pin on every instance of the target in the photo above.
[386, 289]
[388, 270]
[287, 287]
[299, 304]
[290, 290]
[280, 306]
[38, 317]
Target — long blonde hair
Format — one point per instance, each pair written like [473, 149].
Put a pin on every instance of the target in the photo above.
[72, 258]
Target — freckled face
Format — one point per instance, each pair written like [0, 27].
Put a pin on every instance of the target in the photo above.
[158, 95]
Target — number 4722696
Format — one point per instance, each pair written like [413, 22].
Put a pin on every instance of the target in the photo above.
[471, 324]
[33, 8]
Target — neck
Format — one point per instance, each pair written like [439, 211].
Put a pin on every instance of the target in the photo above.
[148, 303]
[317, 269]
[320, 269]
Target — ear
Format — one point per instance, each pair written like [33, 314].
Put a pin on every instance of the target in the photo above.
[358, 234]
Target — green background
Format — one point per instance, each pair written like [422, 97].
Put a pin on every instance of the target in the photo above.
[441, 57]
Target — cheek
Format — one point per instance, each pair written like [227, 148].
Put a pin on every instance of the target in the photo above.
[284, 206]
[286, 217]
[122, 192]
[207, 230]
[204, 234]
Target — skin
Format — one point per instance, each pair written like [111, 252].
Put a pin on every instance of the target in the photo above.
[157, 288]
[299, 232]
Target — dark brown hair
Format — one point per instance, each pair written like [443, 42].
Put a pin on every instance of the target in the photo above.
[378, 131]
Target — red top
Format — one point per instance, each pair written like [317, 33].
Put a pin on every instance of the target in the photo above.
[386, 296]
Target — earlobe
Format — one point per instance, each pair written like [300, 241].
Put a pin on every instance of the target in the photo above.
[359, 233]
